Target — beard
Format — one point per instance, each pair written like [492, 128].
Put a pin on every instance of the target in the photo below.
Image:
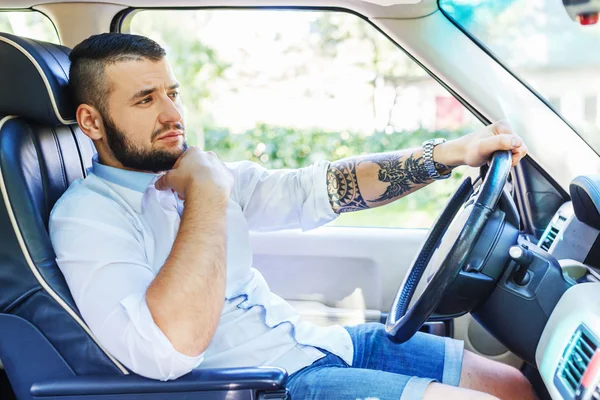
[131, 156]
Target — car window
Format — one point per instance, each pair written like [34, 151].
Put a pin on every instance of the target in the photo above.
[285, 88]
[539, 41]
[31, 24]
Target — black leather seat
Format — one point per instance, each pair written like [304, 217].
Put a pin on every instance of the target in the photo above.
[46, 348]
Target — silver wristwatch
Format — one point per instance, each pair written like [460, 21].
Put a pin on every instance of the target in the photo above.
[428, 162]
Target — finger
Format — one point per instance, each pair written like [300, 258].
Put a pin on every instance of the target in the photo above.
[515, 160]
[162, 182]
[489, 145]
[521, 150]
[502, 127]
[177, 162]
[518, 154]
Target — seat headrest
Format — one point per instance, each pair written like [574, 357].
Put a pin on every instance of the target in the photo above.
[34, 78]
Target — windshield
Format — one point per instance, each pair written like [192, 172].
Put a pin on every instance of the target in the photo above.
[538, 41]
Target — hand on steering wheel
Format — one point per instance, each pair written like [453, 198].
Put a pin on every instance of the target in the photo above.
[454, 246]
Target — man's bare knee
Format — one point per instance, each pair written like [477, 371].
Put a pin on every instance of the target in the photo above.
[503, 381]
[440, 391]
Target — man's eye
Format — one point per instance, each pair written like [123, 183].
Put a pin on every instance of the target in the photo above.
[145, 101]
[175, 95]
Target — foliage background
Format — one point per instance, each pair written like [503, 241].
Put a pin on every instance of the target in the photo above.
[313, 58]
[277, 147]
[308, 56]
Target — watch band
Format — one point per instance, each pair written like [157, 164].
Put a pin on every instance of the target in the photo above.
[428, 162]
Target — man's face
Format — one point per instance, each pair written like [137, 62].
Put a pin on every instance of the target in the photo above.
[143, 122]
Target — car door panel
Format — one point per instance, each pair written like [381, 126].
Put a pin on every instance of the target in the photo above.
[331, 263]
[347, 276]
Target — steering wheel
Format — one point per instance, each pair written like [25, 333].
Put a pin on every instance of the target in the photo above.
[447, 247]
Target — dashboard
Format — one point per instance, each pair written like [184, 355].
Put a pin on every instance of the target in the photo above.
[567, 238]
[568, 353]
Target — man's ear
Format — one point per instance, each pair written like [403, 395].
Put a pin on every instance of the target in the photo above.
[90, 121]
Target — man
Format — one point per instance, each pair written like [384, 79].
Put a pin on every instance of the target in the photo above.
[154, 244]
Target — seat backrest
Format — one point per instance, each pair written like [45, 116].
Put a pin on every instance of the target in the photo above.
[42, 151]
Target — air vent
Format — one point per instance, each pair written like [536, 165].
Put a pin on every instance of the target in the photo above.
[552, 231]
[575, 360]
[549, 238]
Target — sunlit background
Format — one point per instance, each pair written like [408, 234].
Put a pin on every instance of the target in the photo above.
[538, 41]
[285, 88]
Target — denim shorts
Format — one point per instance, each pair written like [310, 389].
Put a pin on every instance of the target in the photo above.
[381, 369]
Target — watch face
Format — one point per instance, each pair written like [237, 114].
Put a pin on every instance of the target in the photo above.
[433, 142]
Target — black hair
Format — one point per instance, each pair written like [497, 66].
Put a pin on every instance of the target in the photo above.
[90, 57]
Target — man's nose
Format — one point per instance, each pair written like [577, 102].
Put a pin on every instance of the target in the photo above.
[169, 112]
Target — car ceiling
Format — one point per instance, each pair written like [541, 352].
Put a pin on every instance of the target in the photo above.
[369, 8]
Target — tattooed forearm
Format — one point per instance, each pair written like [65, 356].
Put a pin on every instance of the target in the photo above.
[342, 187]
[399, 172]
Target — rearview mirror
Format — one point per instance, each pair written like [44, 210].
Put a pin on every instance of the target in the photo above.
[584, 12]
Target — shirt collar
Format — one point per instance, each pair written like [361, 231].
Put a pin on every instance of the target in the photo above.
[130, 185]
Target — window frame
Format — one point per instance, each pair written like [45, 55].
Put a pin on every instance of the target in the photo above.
[121, 23]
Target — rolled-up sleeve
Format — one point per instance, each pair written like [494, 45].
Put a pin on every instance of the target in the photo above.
[109, 282]
[282, 199]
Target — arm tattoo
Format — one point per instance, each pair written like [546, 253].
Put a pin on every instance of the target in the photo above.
[342, 187]
[402, 173]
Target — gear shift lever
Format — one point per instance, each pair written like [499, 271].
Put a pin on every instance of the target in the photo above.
[523, 257]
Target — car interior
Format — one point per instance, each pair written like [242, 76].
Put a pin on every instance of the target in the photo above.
[511, 264]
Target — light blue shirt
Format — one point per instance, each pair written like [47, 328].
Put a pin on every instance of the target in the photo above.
[113, 231]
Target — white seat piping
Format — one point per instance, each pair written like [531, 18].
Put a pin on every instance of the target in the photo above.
[37, 274]
[44, 78]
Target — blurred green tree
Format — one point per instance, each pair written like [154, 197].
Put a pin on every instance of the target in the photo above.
[294, 55]
[196, 65]
[281, 147]
[335, 34]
